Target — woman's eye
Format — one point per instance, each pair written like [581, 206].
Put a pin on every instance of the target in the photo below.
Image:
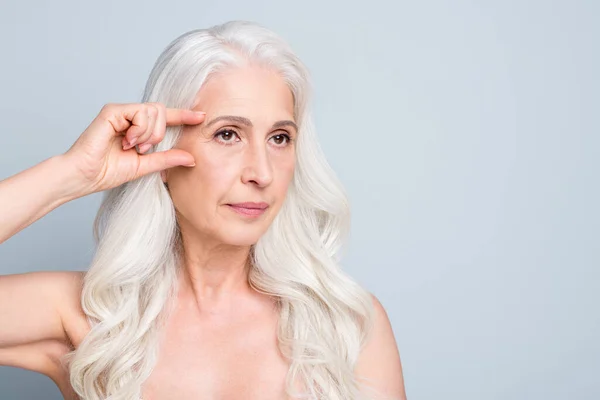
[282, 139]
[226, 136]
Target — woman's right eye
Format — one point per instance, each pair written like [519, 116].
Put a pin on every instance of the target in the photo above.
[226, 135]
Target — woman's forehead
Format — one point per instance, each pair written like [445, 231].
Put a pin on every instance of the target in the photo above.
[250, 90]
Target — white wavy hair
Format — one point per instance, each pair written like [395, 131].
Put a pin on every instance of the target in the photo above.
[325, 316]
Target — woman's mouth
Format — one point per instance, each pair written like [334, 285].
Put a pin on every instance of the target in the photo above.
[249, 209]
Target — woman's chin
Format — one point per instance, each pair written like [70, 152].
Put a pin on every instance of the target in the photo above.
[243, 236]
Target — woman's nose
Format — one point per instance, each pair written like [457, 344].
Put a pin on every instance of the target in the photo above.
[257, 167]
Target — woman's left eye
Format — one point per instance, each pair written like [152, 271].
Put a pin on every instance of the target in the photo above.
[279, 137]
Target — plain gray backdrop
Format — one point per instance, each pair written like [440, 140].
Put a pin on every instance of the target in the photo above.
[466, 134]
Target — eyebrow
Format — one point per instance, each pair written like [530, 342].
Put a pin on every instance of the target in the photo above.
[247, 122]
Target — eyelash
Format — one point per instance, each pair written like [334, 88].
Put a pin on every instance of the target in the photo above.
[225, 143]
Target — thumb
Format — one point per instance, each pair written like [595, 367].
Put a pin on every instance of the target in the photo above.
[154, 162]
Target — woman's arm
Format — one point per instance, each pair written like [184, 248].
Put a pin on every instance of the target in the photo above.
[94, 163]
[36, 307]
[33, 193]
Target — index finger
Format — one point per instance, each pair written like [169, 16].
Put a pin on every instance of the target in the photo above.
[178, 116]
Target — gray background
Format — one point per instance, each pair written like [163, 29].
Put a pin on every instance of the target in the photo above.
[467, 136]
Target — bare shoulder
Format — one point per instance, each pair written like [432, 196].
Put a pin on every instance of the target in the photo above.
[67, 284]
[379, 367]
[40, 310]
[65, 288]
[72, 316]
[50, 294]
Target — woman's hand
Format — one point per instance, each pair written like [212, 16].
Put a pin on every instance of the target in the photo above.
[104, 155]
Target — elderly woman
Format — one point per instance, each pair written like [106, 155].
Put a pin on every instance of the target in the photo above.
[216, 274]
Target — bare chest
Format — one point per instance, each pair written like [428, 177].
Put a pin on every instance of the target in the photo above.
[230, 361]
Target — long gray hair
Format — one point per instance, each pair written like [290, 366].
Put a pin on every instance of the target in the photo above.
[130, 287]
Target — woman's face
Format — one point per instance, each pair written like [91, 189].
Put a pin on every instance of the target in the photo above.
[243, 153]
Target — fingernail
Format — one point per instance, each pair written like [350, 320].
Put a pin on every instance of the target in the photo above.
[200, 113]
[133, 141]
[144, 147]
[190, 165]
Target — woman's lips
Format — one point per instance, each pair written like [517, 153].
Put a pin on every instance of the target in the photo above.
[252, 212]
